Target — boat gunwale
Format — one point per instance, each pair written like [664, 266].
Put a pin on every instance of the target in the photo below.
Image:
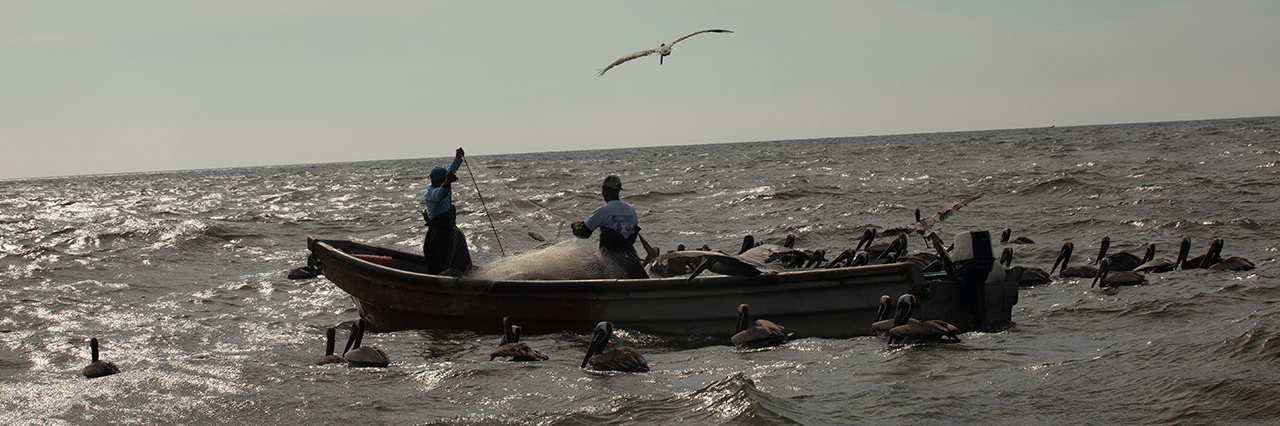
[599, 285]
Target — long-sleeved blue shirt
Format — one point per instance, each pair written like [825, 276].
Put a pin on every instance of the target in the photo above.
[439, 198]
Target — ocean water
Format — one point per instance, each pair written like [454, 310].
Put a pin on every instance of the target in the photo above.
[182, 276]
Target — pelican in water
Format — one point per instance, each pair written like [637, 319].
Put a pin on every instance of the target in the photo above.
[329, 357]
[98, 368]
[1064, 256]
[512, 348]
[885, 317]
[1214, 255]
[1004, 238]
[1122, 261]
[662, 51]
[1030, 275]
[1164, 264]
[1233, 263]
[765, 333]
[619, 359]
[1107, 279]
[1213, 259]
[931, 331]
[363, 356]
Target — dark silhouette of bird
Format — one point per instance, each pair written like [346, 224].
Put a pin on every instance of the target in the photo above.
[886, 317]
[763, 334]
[1164, 264]
[363, 356]
[1107, 278]
[1004, 238]
[329, 357]
[1064, 256]
[624, 358]
[97, 367]
[512, 348]
[1031, 275]
[930, 331]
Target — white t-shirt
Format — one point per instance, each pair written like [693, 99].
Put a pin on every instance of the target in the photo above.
[615, 215]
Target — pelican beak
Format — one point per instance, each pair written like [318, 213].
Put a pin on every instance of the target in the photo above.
[1063, 255]
[1103, 268]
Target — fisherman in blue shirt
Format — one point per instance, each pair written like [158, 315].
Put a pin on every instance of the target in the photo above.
[445, 247]
[618, 227]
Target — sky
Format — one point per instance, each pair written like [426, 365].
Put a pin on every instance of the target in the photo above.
[91, 87]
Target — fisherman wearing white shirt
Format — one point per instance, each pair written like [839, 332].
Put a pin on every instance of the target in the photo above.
[618, 226]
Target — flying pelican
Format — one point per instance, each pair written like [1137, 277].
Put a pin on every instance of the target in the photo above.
[620, 359]
[931, 331]
[98, 368]
[764, 333]
[363, 356]
[1107, 279]
[329, 357]
[1075, 271]
[923, 227]
[1165, 264]
[662, 51]
[512, 348]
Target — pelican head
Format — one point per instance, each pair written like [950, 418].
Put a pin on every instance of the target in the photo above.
[1104, 266]
[1063, 256]
[743, 313]
[882, 313]
[508, 336]
[1102, 251]
[1184, 249]
[868, 235]
[1006, 257]
[902, 313]
[604, 330]
[747, 243]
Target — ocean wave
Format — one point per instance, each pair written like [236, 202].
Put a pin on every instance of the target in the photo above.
[732, 400]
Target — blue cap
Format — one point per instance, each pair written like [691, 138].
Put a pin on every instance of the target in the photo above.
[438, 173]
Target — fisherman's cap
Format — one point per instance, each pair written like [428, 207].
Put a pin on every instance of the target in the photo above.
[438, 173]
[612, 182]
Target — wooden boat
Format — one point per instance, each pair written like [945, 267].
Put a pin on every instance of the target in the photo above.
[392, 292]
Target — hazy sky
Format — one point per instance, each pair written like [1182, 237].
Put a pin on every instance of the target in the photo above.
[90, 87]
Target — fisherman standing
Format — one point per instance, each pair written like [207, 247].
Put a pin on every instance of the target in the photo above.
[445, 247]
[618, 229]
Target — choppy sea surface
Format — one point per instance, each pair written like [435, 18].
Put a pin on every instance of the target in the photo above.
[182, 276]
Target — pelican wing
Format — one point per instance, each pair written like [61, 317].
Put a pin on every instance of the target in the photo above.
[945, 213]
[639, 54]
[900, 230]
[696, 33]
[926, 225]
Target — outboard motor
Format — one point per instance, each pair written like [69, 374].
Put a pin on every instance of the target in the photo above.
[976, 265]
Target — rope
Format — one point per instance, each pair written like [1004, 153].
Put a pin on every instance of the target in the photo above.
[517, 196]
[486, 208]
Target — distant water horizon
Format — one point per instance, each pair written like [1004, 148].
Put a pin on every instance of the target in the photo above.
[802, 140]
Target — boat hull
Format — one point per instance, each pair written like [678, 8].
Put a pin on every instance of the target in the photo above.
[838, 302]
